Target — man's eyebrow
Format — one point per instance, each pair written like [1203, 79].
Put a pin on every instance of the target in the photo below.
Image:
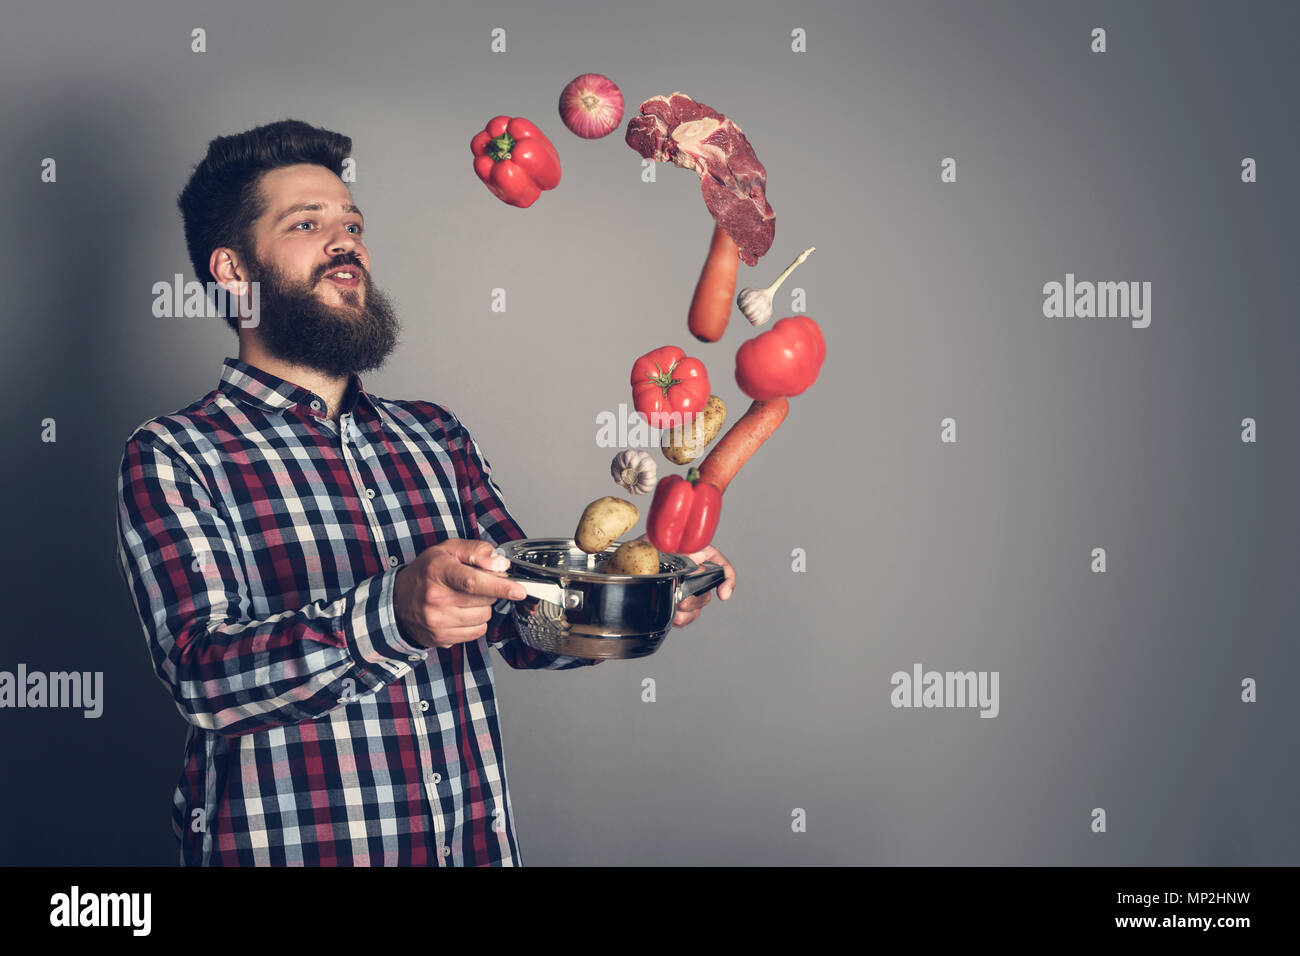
[315, 207]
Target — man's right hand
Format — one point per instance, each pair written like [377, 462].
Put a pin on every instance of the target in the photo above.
[445, 596]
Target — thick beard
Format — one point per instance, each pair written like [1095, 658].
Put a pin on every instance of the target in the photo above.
[297, 327]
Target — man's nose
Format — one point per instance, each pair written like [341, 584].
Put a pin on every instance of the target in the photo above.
[342, 243]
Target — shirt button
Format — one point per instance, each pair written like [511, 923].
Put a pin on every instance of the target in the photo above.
[414, 657]
[392, 560]
[424, 705]
[370, 492]
[446, 851]
[315, 405]
[436, 778]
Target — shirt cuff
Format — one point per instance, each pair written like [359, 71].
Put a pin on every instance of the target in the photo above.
[371, 624]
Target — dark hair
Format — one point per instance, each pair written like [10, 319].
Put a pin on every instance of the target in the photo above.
[222, 200]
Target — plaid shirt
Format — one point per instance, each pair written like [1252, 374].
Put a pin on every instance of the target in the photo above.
[260, 541]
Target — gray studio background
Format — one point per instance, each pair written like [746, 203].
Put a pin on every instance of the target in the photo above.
[1118, 690]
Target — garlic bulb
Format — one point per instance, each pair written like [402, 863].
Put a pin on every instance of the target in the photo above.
[634, 470]
[756, 304]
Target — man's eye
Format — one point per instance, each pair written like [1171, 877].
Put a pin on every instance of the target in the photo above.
[352, 225]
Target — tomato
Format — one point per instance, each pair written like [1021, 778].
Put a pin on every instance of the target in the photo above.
[783, 361]
[665, 381]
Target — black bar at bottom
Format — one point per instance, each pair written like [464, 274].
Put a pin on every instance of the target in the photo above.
[332, 906]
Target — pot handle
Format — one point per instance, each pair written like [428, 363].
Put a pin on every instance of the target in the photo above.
[543, 591]
[709, 575]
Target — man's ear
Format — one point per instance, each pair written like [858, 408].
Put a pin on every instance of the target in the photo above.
[225, 267]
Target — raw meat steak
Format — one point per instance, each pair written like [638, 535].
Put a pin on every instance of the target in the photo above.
[676, 128]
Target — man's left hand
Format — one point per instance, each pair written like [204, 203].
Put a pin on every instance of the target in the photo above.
[689, 608]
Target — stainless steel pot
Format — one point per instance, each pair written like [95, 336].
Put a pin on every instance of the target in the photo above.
[572, 609]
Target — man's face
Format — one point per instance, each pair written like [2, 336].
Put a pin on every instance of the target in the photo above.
[308, 317]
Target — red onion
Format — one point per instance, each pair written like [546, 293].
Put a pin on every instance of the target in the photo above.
[591, 106]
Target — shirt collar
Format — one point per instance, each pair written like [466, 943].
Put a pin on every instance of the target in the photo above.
[248, 383]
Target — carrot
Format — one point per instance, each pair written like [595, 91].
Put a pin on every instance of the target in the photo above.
[711, 304]
[742, 440]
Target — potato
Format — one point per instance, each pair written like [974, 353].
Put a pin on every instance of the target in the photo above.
[682, 445]
[602, 521]
[632, 557]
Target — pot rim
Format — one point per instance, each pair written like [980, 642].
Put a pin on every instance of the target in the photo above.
[511, 548]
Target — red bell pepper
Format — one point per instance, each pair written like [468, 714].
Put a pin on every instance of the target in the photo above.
[684, 513]
[781, 362]
[665, 381]
[515, 160]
